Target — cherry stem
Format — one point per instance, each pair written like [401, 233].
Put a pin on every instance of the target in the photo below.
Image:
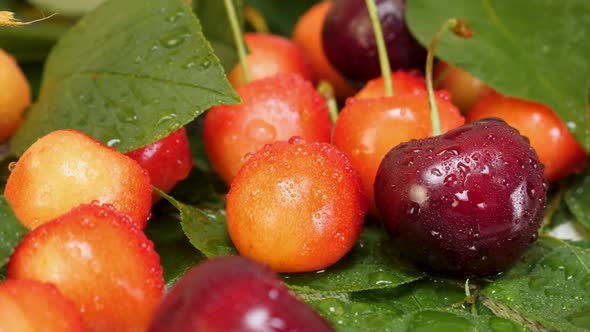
[7, 19]
[327, 91]
[238, 37]
[460, 28]
[381, 49]
[255, 19]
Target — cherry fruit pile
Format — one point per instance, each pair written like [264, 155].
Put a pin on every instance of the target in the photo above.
[301, 178]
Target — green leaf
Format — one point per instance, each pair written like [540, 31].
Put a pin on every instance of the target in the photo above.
[128, 74]
[281, 16]
[216, 28]
[425, 305]
[577, 197]
[547, 289]
[532, 51]
[205, 229]
[581, 244]
[426, 293]
[11, 231]
[373, 263]
[177, 255]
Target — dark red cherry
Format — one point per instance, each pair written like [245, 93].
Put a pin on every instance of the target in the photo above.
[466, 203]
[234, 293]
[167, 161]
[349, 41]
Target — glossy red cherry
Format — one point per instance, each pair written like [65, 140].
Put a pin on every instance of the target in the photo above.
[270, 55]
[403, 82]
[465, 203]
[367, 129]
[233, 294]
[167, 161]
[273, 109]
[297, 206]
[307, 34]
[349, 41]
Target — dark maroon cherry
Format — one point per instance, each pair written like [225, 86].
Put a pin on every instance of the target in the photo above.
[234, 294]
[465, 203]
[349, 42]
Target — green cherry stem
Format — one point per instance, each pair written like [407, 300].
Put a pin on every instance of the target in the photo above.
[327, 91]
[238, 37]
[460, 28]
[381, 49]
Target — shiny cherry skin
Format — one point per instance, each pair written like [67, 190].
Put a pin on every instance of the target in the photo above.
[307, 34]
[297, 206]
[234, 293]
[367, 129]
[559, 152]
[273, 109]
[167, 161]
[270, 55]
[465, 203]
[349, 40]
[403, 82]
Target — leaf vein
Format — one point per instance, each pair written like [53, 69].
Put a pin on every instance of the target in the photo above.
[152, 78]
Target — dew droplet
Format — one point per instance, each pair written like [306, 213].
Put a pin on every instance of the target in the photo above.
[113, 142]
[450, 180]
[188, 65]
[205, 64]
[174, 38]
[436, 172]
[382, 278]
[296, 140]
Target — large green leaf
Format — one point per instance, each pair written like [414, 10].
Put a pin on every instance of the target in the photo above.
[577, 198]
[532, 50]
[129, 73]
[426, 305]
[547, 289]
[373, 263]
[11, 231]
